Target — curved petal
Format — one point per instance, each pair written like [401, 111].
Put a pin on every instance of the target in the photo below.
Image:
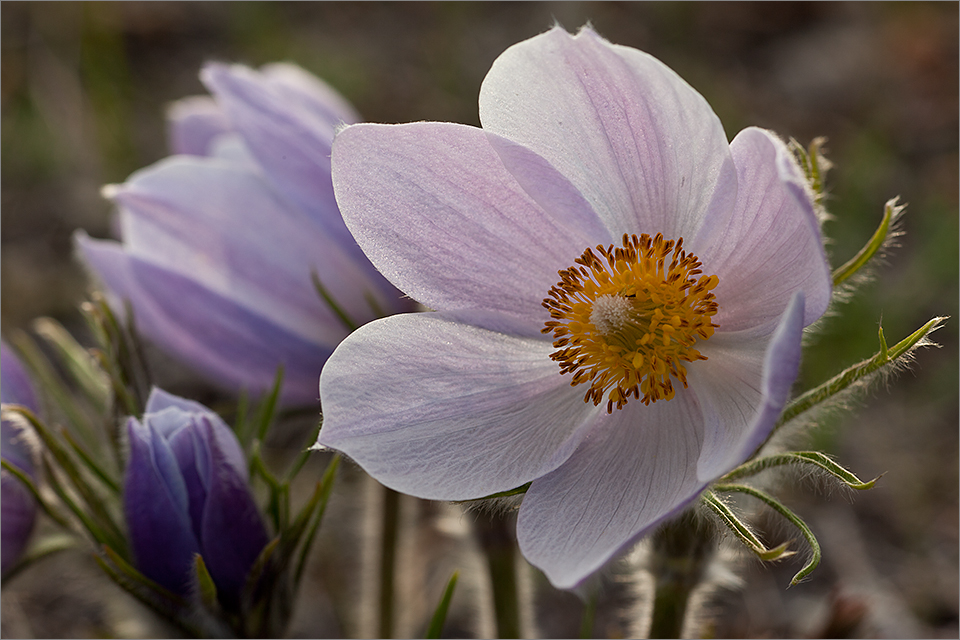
[643, 147]
[226, 229]
[309, 93]
[185, 412]
[18, 511]
[436, 211]
[234, 347]
[193, 123]
[742, 388]
[445, 411]
[769, 245]
[16, 387]
[232, 532]
[635, 468]
[289, 129]
[20, 445]
[155, 505]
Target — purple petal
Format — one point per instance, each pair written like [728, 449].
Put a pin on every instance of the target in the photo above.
[20, 445]
[18, 511]
[436, 211]
[158, 400]
[289, 128]
[635, 468]
[742, 388]
[155, 505]
[642, 146]
[768, 246]
[225, 228]
[446, 411]
[232, 531]
[234, 347]
[15, 384]
[192, 458]
[193, 123]
[185, 413]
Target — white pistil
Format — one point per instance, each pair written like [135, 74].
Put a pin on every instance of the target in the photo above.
[610, 312]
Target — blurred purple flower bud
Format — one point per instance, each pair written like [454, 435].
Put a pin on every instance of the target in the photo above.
[186, 492]
[18, 509]
[219, 242]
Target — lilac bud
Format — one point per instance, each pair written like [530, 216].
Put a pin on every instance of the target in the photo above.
[19, 509]
[186, 492]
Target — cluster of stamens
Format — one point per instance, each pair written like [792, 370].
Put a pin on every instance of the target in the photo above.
[624, 318]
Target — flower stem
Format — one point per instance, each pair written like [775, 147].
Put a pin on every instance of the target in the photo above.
[496, 538]
[388, 559]
[682, 551]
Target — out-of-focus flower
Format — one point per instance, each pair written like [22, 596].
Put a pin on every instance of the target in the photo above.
[185, 492]
[577, 343]
[219, 241]
[18, 507]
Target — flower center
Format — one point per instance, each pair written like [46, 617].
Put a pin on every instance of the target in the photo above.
[626, 318]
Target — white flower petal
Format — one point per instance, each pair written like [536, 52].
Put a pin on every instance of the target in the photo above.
[635, 468]
[643, 147]
[742, 388]
[445, 411]
[433, 207]
[769, 245]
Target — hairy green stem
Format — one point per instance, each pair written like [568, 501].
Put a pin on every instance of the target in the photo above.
[681, 552]
[495, 534]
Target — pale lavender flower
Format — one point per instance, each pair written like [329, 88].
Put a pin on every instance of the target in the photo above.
[18, 506]
[573, 346]
[185, 492]
[219, 241]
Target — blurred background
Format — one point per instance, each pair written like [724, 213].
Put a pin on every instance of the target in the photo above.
[84, 88]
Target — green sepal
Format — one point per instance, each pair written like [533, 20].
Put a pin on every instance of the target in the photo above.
[47, 507]
[794, 519]
[268, 593]
[440, 614]
[327, 482]
[197, 623]
[55, 391]
[120, 355]
[268, 406]
[105, 477]
[815, 458]
[891, 212]
[849, 377]
[82, 367]
[206, 589]
[95, 517]
[815, 166]
[742, 530]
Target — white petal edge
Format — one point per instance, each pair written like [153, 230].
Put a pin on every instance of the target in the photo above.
[768, 246]
[435, 210]
[634, 469]
[445, 411]
[742, 388]
[643, 147]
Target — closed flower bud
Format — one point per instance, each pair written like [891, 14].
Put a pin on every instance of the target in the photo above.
[19, 509]
[186, 492]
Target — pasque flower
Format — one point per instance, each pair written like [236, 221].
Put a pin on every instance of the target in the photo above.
[219, 241]
[18, 506]
[618, 293]
[185, 492]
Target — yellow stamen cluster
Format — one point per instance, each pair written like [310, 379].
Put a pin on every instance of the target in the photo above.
[625, 318]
